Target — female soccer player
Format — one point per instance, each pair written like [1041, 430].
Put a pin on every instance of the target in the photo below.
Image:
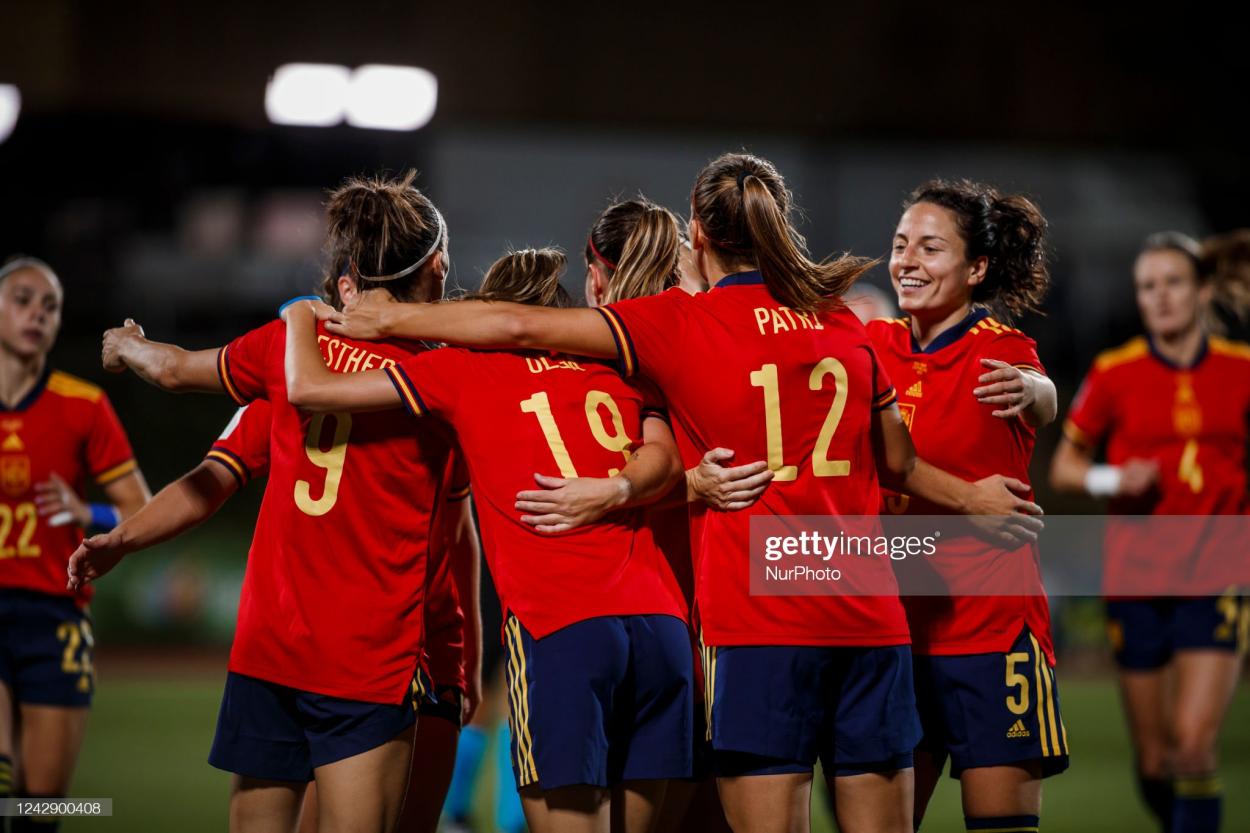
[791, 677]
[985, 682]
[330, 629]
[452, 618]
[1172, 407]
[600, 667]
[56, 431]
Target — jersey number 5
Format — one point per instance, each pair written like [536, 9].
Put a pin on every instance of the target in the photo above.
[822, 466]
[331, 460]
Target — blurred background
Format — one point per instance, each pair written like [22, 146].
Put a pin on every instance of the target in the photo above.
[146, 163]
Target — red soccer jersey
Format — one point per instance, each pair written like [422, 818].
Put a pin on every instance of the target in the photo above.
[64, 426]
[243, 449]
[954, 432]
[741, 371]
[335, 582]
[1190, 421]
[516, 414]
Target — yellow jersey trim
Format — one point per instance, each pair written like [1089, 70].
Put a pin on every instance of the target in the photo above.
[120, 470]
[71, 387]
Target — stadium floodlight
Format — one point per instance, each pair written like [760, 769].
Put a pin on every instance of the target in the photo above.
[391, 97]
[10, 106]
[313, 95]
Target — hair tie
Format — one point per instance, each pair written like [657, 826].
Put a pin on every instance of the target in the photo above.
[403, 273]
[590, 241]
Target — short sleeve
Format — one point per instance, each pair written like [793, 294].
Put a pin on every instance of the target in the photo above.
[430, 382]
[109, 456]
[647, 331]
[246, 363]
[243, 448]
[883, 395]
[1016, 349]
[1092, 411]
[653, 402]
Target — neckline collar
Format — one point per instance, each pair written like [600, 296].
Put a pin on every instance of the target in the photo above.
[741, 279]
[1166, 362]
[951, 334]
[30, 398]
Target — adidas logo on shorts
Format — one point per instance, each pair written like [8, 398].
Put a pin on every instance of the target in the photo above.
[1018, 730]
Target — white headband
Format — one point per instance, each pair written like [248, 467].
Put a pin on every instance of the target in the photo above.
[403, 273]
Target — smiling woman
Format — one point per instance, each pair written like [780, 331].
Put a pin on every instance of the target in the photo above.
[973, 391]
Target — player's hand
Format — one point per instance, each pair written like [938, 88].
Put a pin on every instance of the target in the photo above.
[727, 488]
[94, 557]
[1138, 476]
[56, 501]
[299, 310]
[365, 319]
[1001, 514]
[1008, 386]
[567, 503]
[115, 343]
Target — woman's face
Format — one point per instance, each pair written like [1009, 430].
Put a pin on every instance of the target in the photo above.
[929, 266]
[30, 312]
[1168, 292]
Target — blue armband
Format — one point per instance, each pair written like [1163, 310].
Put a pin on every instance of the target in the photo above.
[104, 516]
[296, 300]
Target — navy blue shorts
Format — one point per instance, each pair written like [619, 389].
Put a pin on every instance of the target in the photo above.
[1145, 634]
[776, 709]
[446, 704]
[272, 732]
[601, 701]
[45, 649]
[992, 709]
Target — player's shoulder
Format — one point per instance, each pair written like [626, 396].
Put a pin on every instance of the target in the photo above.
[68, 386]
[1134, 350]
[1229, 348]
[991, 328]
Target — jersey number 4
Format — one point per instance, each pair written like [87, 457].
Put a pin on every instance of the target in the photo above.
[822, 466]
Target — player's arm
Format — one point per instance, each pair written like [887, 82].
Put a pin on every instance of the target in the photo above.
[188, 501]
[57, 501]
[465, 552]
[1022, 392]
[562, 503]
[166, 366]
[311, 386]
[582, 332]
[893, 450]
[1073, 470]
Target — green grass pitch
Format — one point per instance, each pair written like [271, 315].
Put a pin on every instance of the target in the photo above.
[148, 739]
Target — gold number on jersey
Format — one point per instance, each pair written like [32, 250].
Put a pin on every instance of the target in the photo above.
[766, 378]
[617, 441]
[1018, 704]
[1189, 471]
[822, 466]
[26, 515]
[331, 460]
[540, 406]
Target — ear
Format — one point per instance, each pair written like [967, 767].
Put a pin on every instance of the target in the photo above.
[598, 279]
[440, 263]
[694, 230]
[347, 289]
[979, 267]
